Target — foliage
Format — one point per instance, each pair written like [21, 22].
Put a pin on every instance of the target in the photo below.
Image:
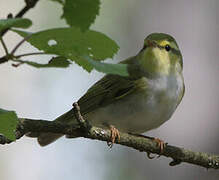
[77, 43]
[8, 123]
[73, 44]
[16, 22]
[81, 13]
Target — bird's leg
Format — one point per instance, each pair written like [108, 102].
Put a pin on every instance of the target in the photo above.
[114, 135]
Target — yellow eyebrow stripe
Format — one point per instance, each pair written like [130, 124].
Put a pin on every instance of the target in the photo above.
[164, 43]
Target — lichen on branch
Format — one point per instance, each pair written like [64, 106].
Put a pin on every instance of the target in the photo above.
[139, 143]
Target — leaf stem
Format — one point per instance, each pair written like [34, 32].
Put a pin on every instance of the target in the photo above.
[4, 45]
[19, 44]
[30, 54]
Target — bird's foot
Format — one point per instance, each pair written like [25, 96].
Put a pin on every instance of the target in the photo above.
[161, 144]
[114, 135]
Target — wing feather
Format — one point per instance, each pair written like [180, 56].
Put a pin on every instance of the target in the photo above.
[107, 90]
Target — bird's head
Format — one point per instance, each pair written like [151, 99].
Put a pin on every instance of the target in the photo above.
[160, 55]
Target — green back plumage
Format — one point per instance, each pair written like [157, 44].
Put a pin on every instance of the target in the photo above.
[107, 90]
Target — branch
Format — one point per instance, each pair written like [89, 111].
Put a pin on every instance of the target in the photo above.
[137, 142]
[29, 4]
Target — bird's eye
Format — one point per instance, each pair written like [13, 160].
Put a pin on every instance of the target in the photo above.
[167, 47]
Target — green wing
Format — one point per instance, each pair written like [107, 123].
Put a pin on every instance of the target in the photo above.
[107, 90]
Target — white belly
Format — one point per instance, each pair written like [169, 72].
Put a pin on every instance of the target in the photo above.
[142, 111]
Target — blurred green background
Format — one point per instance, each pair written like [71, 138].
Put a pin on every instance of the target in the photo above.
[47, 93]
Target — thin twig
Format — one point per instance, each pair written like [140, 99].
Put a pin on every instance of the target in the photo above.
[81, 121]
[30, 54]
[14, 58]
[3, 59]
[4, 46]
[29, 4]
[19, 44]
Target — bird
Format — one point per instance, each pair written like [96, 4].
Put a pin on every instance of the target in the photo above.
[139, 102]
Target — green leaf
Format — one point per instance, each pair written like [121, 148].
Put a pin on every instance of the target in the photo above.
[118, 69]
[15, 22]
[73, 44]
[55, 62]
[8, 123]
[81, 13]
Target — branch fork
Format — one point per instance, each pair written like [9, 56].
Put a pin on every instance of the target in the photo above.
[85, 125]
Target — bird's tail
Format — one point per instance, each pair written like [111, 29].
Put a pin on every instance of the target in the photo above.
[47, 138]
